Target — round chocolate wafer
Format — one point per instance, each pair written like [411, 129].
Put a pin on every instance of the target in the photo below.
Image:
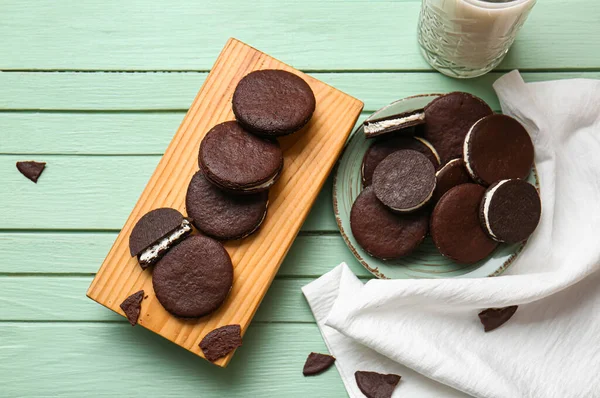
[404, 181]
[223, 215]
[510, 210]
[382, 233]
[496, 148]
[194, 278]
[273, 102]
[455, 227]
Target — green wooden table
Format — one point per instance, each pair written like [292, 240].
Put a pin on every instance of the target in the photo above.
[97, 89]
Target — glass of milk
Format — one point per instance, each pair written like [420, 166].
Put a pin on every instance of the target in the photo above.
[468, 38]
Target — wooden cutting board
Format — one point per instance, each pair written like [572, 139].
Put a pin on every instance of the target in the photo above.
[309, 156]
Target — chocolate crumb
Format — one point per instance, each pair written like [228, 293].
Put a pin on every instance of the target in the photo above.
[317, 363]
[31, 169]
[132, 305]
[493, 318]
[221, 342]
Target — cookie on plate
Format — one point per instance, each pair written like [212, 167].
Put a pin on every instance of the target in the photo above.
[194, 278]
[383, 147]
[239, 162]
[273, 102]
[382, 233]
[222, 215]
[400, 123]
[448, 119]
[496, 148]
[455, 227]
[452, 174]
[404, 181]
[510, 211]
[157, 232]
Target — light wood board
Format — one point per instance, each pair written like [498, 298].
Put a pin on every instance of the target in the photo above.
[309, 156]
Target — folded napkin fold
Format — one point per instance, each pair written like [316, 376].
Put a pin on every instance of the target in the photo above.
[551, 346]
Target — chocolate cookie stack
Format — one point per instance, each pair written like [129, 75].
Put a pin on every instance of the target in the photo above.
[226, 199]
[454, 169]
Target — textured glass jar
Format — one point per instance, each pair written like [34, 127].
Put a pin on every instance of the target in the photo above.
[468, 38]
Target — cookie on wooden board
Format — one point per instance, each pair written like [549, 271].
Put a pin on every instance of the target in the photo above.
[385, 146]
[194, 278]
[455, 227]
[496, 148]
[273, 102]
[510, 211]
[237, 161]
[156, 233]
[223, 215]
[448, 119]
[382, 233]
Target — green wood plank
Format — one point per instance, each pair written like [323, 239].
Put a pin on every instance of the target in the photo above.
[95, 192]
[90, 133]
[179, 35]
[175, 91]
[82, 253]
[116, 360]
[62, 298]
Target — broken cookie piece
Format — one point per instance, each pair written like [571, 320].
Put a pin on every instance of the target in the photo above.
[493, 318]
[157, 232]
[376, 385]
[390, 124]
[317, 363]
[31, 169]
[132, 306]
[221, 342]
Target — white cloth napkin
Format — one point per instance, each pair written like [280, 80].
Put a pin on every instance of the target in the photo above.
[551, 346]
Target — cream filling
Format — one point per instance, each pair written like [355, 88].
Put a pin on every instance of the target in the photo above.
[449, 164]
[431, 148]
[266, 184]
[466, 152]
[153, 252]
[486, 207]
[377, 127]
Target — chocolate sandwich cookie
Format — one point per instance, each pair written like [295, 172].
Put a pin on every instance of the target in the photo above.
[395, 123]
[273, 102]
[455, 227]
[510, 211]
[404, 181]
[194, 278]
[239, 162]
[384, 234]
[383, 147]
[222, 215]
[452, 174]
[448, 119]
[157, 232]
[496, 148]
